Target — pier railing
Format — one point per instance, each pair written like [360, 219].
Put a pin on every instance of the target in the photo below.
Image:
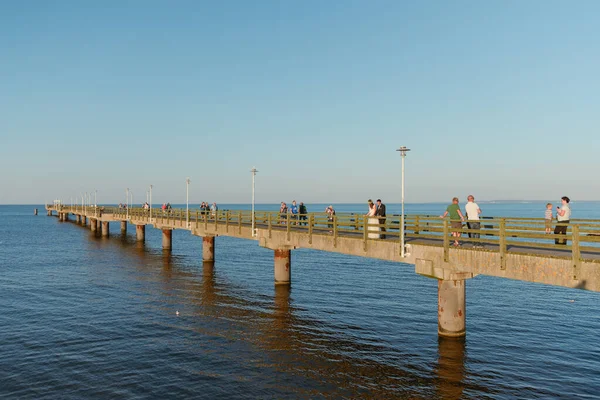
[502, 235]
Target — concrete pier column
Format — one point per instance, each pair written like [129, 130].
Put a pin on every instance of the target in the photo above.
[123, 227]
[140, 232]
[105, 228]
[93, 224]
[167, 239]
[208, 248]
[49, 213]
[78, 218]
[283, 266]
[451, 308]
[84, 220]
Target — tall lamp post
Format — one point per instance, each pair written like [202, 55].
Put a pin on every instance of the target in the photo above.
[187, 201]
[127, 204]
[95, 202]
[403, 150]
[254, 171]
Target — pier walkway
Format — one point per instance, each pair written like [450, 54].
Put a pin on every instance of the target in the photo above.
[513, 248]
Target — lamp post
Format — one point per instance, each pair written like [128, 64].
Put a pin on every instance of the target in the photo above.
[403, 150]
[95, 202]
[187, 201]
[150, 202]
[254, 171]
[127, 204]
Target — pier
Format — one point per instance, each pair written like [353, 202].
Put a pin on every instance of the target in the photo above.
[512, 248]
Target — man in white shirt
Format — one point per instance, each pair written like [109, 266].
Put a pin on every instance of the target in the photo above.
[473, 211]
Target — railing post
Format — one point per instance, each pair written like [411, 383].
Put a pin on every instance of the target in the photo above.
[239, 222]
[227, 221]
[575, 251]
[216, 220]
[356, 223]
[446, 240]
[335, 230]
[197, 214]
[288, 226]
[365, 232]
[416, 224]
[270, 224]
[502, 243]
[311, 224]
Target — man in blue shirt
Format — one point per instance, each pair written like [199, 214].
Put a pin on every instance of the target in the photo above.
[294, 211]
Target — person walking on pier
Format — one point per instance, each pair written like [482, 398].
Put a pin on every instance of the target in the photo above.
[381, 213]
[456, 219]
[563, 216]
[214, 209]
[473, 211]
[303, 213]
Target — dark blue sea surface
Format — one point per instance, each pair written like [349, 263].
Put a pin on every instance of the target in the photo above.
[84, 317]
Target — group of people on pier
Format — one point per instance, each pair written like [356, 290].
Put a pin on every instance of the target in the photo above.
[472, 212]
[295, 212]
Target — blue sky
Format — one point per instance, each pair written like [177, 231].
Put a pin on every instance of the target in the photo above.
[498, 99]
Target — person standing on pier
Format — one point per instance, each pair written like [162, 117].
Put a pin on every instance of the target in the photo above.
[294, 212]
[283, 212]
[381, 213]
[456, 219]
[214, 209]
[473, 211]
[303, 212]
[563, 216]
[372, 222]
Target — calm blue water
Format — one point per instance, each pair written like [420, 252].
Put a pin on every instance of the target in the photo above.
[89, 317]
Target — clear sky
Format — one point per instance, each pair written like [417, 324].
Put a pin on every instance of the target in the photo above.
[499, 99]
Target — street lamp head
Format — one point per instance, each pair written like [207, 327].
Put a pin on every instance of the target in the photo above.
[403, 150]
[187, 180]
[254, 170]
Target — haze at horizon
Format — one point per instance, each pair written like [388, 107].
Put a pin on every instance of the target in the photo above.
[498, 100]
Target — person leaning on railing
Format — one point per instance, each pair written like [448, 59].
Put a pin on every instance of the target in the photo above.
[456, 219]
[563, 216]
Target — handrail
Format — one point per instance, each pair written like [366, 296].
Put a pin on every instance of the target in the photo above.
[502, 235]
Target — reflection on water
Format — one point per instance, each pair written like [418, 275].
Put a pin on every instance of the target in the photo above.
[450, 368]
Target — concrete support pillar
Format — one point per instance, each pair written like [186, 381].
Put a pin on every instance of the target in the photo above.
[49, 213]
[78, 218]
[93, 224]
[66, 216]
[84, 220]
[208, 248]
[451, 308]
[60, 216]
[167, 239]
[283, 266]
[105, 228]
[140, 232]
[123, 227]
